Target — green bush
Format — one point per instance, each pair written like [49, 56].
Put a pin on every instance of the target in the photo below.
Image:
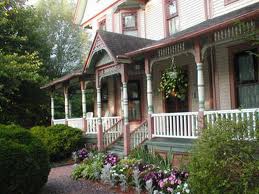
[24, 162]
[225, 161]
[60, 140]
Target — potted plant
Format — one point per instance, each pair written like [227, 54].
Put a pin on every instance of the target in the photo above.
[174, 82]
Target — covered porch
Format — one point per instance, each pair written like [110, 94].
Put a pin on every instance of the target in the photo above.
[222, 83]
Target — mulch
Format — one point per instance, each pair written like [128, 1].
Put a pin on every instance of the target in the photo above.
[60, 182]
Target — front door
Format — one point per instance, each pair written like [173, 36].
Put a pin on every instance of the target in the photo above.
[174, 104]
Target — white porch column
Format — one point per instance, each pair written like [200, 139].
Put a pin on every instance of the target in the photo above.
[99, 115]
[121, 101]
[66, 104]
[69, 108]
[149, 98]
[201, 94]
[149, 94]
[83, 103]
[125, 103]
[52, 106]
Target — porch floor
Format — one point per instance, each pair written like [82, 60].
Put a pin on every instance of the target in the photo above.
[176, 145]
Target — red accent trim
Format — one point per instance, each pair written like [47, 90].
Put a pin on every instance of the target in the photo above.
[126, 138]
[85, 23]
[194, 34]
[227, 2]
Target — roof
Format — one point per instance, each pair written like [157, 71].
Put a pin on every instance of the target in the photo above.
[202, 28]
[119, 44]
[69, 76]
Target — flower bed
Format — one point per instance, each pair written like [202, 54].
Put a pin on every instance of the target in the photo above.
[128, 173]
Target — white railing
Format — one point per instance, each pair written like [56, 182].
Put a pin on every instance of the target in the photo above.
[75, 122]
[113, 133]
[180, 125]
[139, 135]
[91, 126]
[249, 115]
[107, 122]
[59, 121]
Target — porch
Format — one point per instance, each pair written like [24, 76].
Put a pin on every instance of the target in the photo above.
[127, 81]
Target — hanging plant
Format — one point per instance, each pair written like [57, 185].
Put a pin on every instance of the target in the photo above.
[174, 82]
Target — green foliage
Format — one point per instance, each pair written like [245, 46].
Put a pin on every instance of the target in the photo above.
[142, 153]
[90, 168]
[224, 160]
[60, 140]
[174, 82]
[24, 164]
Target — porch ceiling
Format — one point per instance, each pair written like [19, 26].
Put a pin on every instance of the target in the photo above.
[208, 26]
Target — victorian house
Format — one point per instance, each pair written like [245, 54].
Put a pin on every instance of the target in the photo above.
[203, 43]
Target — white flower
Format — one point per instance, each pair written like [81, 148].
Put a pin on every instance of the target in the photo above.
[187, 190]
[185, 185]
[178, 193]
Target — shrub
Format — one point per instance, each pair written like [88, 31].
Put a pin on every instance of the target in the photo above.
[60, 140]
[224, 160]
[24, 164]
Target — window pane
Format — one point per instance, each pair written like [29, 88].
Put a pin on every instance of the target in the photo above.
[172, 8]
[173, 25]
[246, 68]
[130, 21]
[133, 92]
[248, 96]
[134, 101]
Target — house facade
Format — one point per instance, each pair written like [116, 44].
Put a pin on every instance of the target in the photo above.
[136, 42]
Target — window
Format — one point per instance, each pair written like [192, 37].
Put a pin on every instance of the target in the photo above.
[171, 16]
[104, 97]
[102, 24]
[247, 84]
[134, 100]
[129, 23]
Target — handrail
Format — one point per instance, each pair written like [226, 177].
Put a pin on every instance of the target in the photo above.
[112, 134]
[139, 135]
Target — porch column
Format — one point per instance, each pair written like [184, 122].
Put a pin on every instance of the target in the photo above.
[52, 107]
[200, 83]
[149, 98]
[82, 84]
[126, 119]
[66, 104]
[69, 108]
[121, 101]
[99, 115]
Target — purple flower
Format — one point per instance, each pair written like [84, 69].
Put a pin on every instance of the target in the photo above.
[111, 159]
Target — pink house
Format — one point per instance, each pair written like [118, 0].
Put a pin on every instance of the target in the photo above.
[135, 42]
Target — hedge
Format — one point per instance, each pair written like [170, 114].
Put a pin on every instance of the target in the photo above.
[60, 140]
[24, 162]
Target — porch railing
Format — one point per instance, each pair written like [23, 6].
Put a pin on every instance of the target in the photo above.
[91, 126]
[59, 121]
[251, 116]
[75, 122]
[113, 133]
[180, 125]
[108, 122]
[139, 135]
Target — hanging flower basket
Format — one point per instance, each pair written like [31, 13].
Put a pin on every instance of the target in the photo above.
[174, 82]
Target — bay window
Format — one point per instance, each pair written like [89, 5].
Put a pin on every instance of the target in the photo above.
[171, 11]
[129, 23]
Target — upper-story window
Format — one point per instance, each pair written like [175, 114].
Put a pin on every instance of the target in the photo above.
[171, 16]
[129, 23]
[102, 24]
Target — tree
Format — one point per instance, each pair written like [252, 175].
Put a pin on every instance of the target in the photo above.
[68, 42]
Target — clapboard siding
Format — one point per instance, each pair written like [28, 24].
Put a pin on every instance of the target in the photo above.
[219, 8]
[155, 20]
[191, 12]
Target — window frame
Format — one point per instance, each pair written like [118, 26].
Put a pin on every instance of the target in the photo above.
[102, 22]
[169, 17]
[129, 13]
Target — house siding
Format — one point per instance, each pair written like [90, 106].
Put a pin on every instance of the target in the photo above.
[219, 7]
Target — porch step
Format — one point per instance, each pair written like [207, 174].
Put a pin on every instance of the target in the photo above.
[176, 145]
[90, 139]
[117, 148]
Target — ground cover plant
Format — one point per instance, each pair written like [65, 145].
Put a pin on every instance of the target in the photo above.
[60, 140]
[133, 172]
[24, 164]
[225, 160]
